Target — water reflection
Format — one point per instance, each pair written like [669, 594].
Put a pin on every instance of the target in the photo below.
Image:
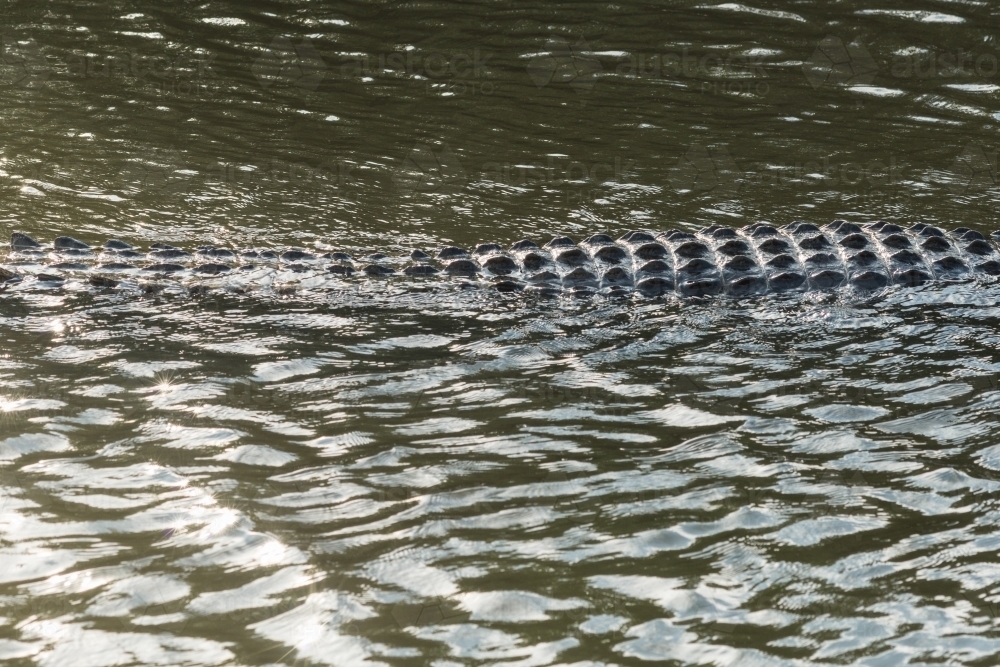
[720, 482]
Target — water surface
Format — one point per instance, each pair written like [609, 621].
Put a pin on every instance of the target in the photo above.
[448, 477]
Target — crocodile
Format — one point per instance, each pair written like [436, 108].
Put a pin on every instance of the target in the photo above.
[757, 259]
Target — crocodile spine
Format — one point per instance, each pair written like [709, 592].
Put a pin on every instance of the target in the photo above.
[757, 259]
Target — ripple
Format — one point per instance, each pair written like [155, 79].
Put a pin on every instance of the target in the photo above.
[189, 437]
[838, 414]
[685, 417]
[257, 455]
[318, 630]
[813, 531]
[940, 425]
[938, 394]
[914, 15]
[32, 404]
[439, 425]
[261, 592]
[70, 354]
[877, 91]
[85, 646]
[514, 606]
[18, 446]
[746, 9]
[275, 371]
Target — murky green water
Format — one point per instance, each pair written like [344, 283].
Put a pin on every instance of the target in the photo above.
[401, 477]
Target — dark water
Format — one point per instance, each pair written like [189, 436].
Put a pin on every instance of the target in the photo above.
[449, 478]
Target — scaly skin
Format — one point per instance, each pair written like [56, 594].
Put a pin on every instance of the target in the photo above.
[757, 259]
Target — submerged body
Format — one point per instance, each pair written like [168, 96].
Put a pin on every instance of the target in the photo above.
[757, 259]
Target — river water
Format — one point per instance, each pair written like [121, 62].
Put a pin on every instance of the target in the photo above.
[405, 477]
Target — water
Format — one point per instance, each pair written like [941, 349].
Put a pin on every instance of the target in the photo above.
[443, 477]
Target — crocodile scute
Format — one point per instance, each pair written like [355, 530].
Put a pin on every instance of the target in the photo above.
[757, 259]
